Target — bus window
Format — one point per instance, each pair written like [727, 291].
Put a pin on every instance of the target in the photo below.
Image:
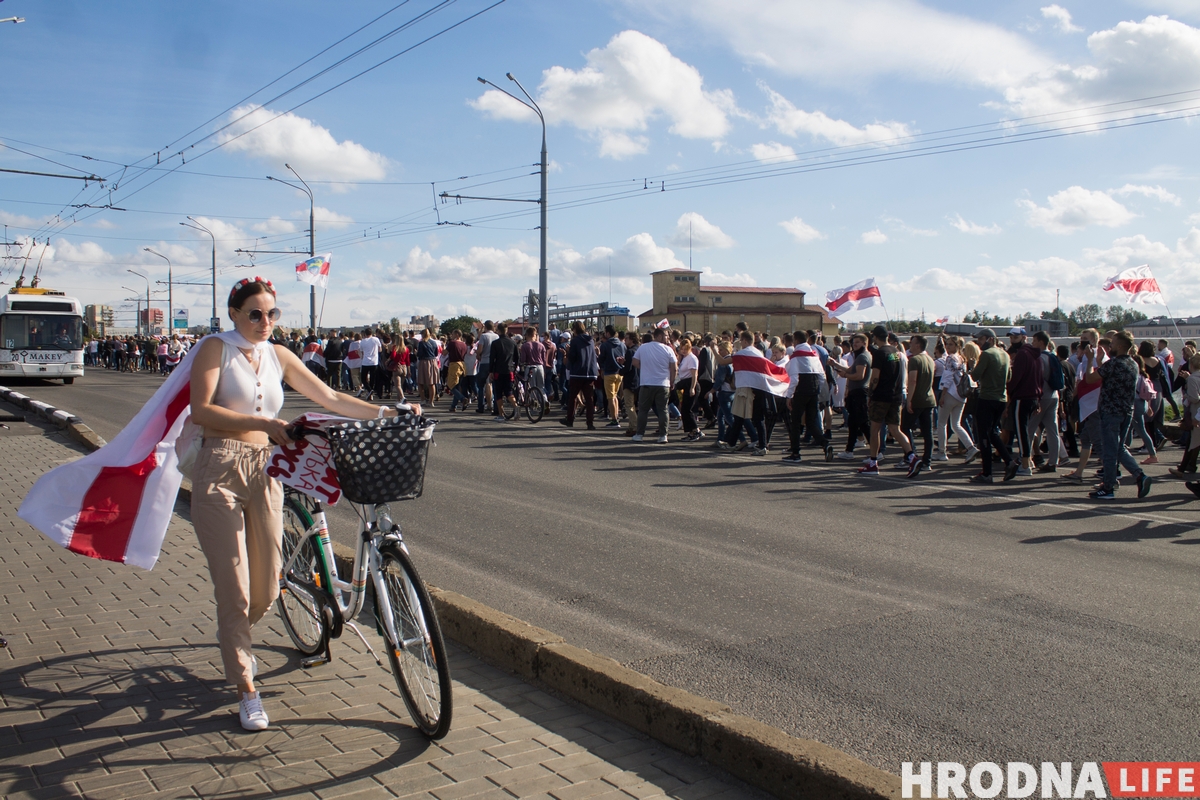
[38, 332]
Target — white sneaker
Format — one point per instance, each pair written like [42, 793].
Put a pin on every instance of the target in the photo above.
[939, 457]
[662, 439]
[846, 456]
[251, 712]
[637, 437]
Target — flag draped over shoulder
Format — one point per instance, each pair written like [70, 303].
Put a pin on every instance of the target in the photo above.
[754, 370]
[315, 270]
[115, 504]
[1138, 284]
[863, 294]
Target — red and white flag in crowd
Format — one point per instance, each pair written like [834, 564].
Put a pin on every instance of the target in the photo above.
[754, 370]
[315, 270]
[1138, 285]
[863, 294]
[663, 324]
[941, 320]
[313, 352]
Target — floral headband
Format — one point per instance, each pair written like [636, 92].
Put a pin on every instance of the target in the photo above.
[237, 287]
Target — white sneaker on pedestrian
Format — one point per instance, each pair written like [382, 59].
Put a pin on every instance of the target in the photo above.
[662, 439]
[846, 455]
[972, 453]
[251, 712]
[637, 437]
[939, 457]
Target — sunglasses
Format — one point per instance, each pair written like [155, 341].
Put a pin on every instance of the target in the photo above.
[256, 315]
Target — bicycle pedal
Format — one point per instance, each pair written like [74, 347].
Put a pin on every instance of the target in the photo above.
[315, 661]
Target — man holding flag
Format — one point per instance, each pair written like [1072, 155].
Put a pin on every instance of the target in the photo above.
[755, 376]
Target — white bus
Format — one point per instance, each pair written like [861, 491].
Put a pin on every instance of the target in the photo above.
[41, 335]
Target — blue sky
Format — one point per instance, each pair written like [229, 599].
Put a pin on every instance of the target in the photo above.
[673, 90]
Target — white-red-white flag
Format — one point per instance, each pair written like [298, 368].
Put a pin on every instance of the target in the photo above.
[115, 504]
[752, 369]
[863, 294]
[1138, 284]
[941, 320]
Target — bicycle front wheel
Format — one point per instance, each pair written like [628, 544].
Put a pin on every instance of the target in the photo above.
[535, 405]
[419, 660]
[301, 600]
[510, 409]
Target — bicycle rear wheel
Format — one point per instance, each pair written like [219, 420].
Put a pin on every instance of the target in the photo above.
[419, 660]
[510, 409]
[301, 599]
[536, 405]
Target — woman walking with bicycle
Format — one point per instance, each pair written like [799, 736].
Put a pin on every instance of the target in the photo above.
[237, 510]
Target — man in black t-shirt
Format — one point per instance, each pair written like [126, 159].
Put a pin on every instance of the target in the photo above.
[503, 364]
[887, 380]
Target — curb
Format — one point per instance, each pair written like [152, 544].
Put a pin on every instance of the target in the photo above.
[66, 421]
[758, 754]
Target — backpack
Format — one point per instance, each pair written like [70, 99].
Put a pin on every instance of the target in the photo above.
[1055, 380]
[1146, 390]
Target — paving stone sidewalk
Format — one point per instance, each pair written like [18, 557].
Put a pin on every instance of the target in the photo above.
[111, 688]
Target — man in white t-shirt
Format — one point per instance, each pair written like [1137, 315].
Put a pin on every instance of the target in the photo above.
[369, 347]
[486, 339]
[657, 367]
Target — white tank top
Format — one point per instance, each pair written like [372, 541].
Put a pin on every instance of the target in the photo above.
[242, 390]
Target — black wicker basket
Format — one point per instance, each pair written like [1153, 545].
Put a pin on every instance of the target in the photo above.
[381, 460]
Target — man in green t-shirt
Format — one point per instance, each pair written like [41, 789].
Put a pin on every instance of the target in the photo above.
[918, 410]
[991, 372]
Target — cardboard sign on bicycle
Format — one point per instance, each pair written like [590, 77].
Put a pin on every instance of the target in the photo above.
[305, 464]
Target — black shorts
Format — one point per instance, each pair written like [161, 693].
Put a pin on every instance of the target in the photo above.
[502, 384]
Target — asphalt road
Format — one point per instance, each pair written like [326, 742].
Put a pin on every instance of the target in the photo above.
[897, 620]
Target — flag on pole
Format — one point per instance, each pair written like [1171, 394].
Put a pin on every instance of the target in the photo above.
[863, 294]
[1138, 285]
[315, 270]
[941, 321]
[663, 324]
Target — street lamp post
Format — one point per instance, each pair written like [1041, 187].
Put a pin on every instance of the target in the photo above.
[312, 245]
[170, 291]
[137, 321]
[197, 226]
[543, 306]
[149, 330]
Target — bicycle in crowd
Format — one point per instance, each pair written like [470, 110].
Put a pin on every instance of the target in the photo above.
[377, 462]
[529, 397]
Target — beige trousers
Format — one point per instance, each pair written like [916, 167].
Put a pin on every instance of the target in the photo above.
[238, 515]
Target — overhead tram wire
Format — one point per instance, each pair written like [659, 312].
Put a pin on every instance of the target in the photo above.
[406, 50]
[75, 218]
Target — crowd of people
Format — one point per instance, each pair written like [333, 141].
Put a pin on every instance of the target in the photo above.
[1025, 406]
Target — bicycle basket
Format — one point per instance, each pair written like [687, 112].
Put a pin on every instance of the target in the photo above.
[381, 460]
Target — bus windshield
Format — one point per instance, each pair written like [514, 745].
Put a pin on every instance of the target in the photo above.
[41, 332]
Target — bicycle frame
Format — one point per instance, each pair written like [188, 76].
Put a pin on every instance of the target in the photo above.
[349, 597]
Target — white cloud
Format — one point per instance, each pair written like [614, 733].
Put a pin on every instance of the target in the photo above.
[1149, 191]
[478, 265]
[20, 220]
[624, 85]
[1074, 209]
[1061, 18]
[1156, 56]
[874, 237]
[694, 230]
[900, 225]
[973, 228]
[801, 231]
[330, 219]
[772, 152]
[1194, 219]
[104, 224]
[847, 43]
[274, 225]
[710, 278]
[311, 149]
[361, 314]
[792, 121]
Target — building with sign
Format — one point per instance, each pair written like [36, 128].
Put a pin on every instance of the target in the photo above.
[680, 299]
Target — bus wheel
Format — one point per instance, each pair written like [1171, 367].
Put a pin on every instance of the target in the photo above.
[68, 381]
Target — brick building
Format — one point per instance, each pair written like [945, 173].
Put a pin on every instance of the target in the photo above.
[679, 298]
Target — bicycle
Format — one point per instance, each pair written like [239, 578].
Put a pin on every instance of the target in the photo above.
[528, 397]
[316, 603]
